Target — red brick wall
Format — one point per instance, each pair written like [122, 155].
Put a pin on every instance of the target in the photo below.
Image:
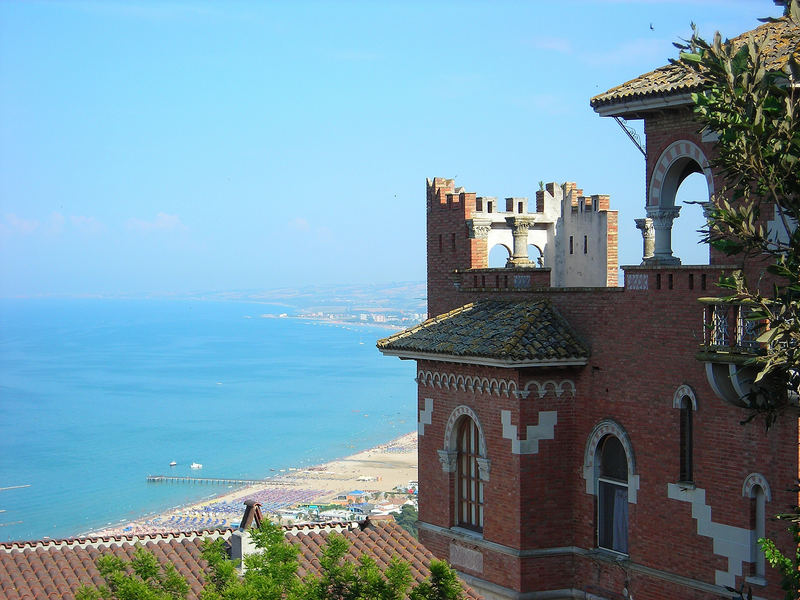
[643, 346]
[449, 244]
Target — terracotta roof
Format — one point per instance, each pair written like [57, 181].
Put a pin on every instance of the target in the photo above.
[780, 40]
[493, 332]
[54, 570]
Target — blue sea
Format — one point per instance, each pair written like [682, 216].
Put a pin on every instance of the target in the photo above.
[96, 394]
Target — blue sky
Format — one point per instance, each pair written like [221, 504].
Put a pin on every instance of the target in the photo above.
[178, 147]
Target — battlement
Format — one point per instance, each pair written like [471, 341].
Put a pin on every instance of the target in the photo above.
[571, 234]
[442, 194]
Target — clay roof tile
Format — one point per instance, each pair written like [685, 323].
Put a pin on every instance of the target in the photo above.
[779, 39]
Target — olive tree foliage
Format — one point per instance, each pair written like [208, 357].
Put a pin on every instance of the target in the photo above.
[271, 574]
[143, 578]
[407, 519]
[755, 111]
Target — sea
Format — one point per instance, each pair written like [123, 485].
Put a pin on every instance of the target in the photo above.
[97, 394]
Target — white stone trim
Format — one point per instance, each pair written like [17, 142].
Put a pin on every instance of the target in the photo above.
[450, 439]
[467, 383]
[496, 386]
[753, 480]
[732, 542]
[545, 430]
[467, 558]
[684, 391]
[425, 416]
[557, 387]
[602, 429]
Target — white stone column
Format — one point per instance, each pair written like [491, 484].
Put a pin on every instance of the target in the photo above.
[519, 229]
[648, 237]
[662, 223]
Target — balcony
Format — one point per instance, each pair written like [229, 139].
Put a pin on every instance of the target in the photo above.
[730, 333]
[730, 343]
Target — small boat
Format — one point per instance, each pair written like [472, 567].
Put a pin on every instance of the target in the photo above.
[196, 466]
[172, 464]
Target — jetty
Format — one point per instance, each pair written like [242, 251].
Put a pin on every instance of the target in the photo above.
[216, 480]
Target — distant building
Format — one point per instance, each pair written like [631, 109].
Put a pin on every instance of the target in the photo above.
[583, 440]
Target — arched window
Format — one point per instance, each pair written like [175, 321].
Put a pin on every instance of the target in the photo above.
[612, 495]
[469, 486]
[758, 519]
[686, 441]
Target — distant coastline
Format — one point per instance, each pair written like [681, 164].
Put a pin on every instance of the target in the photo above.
[326, 321]
[148, 382]
[378, 469]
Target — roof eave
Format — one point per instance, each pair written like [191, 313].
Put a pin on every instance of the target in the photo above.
[641, 105]
[484, 360]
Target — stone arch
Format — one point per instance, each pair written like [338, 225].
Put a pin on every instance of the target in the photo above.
[448, 456]
[679, 160]
[424, 377]
[535, 254]
[495, 259]
[684, 391]
[601, 430]
[455, 416]
[756, 480]
[460, 383]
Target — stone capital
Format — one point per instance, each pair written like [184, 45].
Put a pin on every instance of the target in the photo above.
[479, 228]
[520, 225]
[484, 466]
[663, 217]
[646, 226]
[648, 237]
[449, 459]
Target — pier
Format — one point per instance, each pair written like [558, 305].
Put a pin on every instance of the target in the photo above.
[215, 480]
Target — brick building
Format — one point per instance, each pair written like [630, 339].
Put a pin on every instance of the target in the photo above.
[579, 439]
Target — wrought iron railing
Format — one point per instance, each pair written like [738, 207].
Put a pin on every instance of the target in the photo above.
[729, 327]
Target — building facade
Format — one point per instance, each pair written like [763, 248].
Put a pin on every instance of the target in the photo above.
[583, 440]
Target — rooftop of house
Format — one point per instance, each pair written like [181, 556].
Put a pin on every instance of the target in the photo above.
[673, 83]
[56, 569]
[493, 332]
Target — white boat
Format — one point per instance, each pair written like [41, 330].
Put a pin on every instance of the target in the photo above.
[172, 464]
[196, 466]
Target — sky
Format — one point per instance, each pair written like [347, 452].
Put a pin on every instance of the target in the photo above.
[185, 147]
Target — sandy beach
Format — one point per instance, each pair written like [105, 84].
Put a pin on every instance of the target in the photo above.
[378, 469]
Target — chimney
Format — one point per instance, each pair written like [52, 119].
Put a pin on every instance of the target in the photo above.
[241, 542]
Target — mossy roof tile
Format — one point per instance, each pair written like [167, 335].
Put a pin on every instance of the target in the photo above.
[780, 40]
[512, 332]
